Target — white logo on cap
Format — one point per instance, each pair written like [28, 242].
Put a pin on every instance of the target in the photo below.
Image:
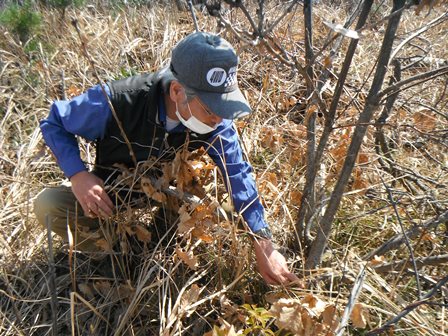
[231, 78]
[216, 76]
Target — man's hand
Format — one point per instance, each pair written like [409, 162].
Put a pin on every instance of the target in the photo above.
[90, 193]
[272, 264]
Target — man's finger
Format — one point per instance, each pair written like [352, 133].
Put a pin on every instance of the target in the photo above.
[104, 208]
[292, 277]
[106, 199]
[103, 214]
[98, 203]
[105, 203]
[85, 208]
[270, 279]
[300, 283]
[93, 210]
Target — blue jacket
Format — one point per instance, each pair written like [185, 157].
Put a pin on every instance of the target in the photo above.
[89, 116]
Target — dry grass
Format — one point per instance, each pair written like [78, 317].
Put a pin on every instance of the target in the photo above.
[152, 291]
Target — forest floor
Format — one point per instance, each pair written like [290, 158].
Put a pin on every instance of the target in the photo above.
[199, 276]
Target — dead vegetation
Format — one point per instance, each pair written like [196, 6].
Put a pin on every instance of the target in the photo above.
[151, 280]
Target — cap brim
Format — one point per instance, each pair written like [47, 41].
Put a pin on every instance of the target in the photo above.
[230, 105]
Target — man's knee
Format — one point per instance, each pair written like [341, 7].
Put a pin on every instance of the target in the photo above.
[43, 204]
[50, 202]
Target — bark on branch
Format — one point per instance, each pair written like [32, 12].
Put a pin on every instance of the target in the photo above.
[414, 80]
[324, 230]
[420, 262]
[409, 309]
[329, 117]
[399, 239]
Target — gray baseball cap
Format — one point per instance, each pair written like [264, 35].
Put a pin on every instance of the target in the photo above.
[207, 64]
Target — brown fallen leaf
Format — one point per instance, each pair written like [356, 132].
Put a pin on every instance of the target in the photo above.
[316, 305]
[102, 287]
[330, 317]
[103, 244]
[359, 316]
[86, 289]
[190, 296]
[377, 260]
[288, 314]
[188, 258]
[142, 234]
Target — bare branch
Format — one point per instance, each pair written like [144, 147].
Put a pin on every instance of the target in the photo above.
[414, 80]
[419, 262]
[320, 243]
[281, 17]
[310, 119]
[356, 290]
[397, 240]
[405, 237]
[330, 115]
[431, 24]
[381, 145]
[249, 17]
[193, 15]
[409, 309]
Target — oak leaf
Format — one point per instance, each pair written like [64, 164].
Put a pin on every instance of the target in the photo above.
[359, 316]
[159, 197]
[288, 314]
[330, 317]
[377, 260]
[424, 121]
[102, 287]
[316, 305]
[188, 258]
[124, 291]
[295, 197]
[185, 220]
[224, 330]
[142, 234]
[103, 244]
[190, 296]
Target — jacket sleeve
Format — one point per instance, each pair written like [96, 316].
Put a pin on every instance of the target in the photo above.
[86, 116]
[225, 150]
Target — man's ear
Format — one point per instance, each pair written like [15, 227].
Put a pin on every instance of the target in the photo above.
[177, 92]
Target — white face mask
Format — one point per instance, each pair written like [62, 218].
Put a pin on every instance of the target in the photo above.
[195, 124]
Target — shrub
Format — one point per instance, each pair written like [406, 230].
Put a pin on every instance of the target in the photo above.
[21, 20]
[62, 5]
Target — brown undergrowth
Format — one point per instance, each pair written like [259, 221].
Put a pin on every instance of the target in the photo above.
[196, 273]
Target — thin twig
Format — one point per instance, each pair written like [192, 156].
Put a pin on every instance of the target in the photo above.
[52, 279]
[420, 262]
[248, 17]
[92, 64]
[408, 309]
[414, 80]
[406, 239]
[397, 240]
[281, 16]
[63, 94]
[354, 294]
[431, 24]
[193, 15]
